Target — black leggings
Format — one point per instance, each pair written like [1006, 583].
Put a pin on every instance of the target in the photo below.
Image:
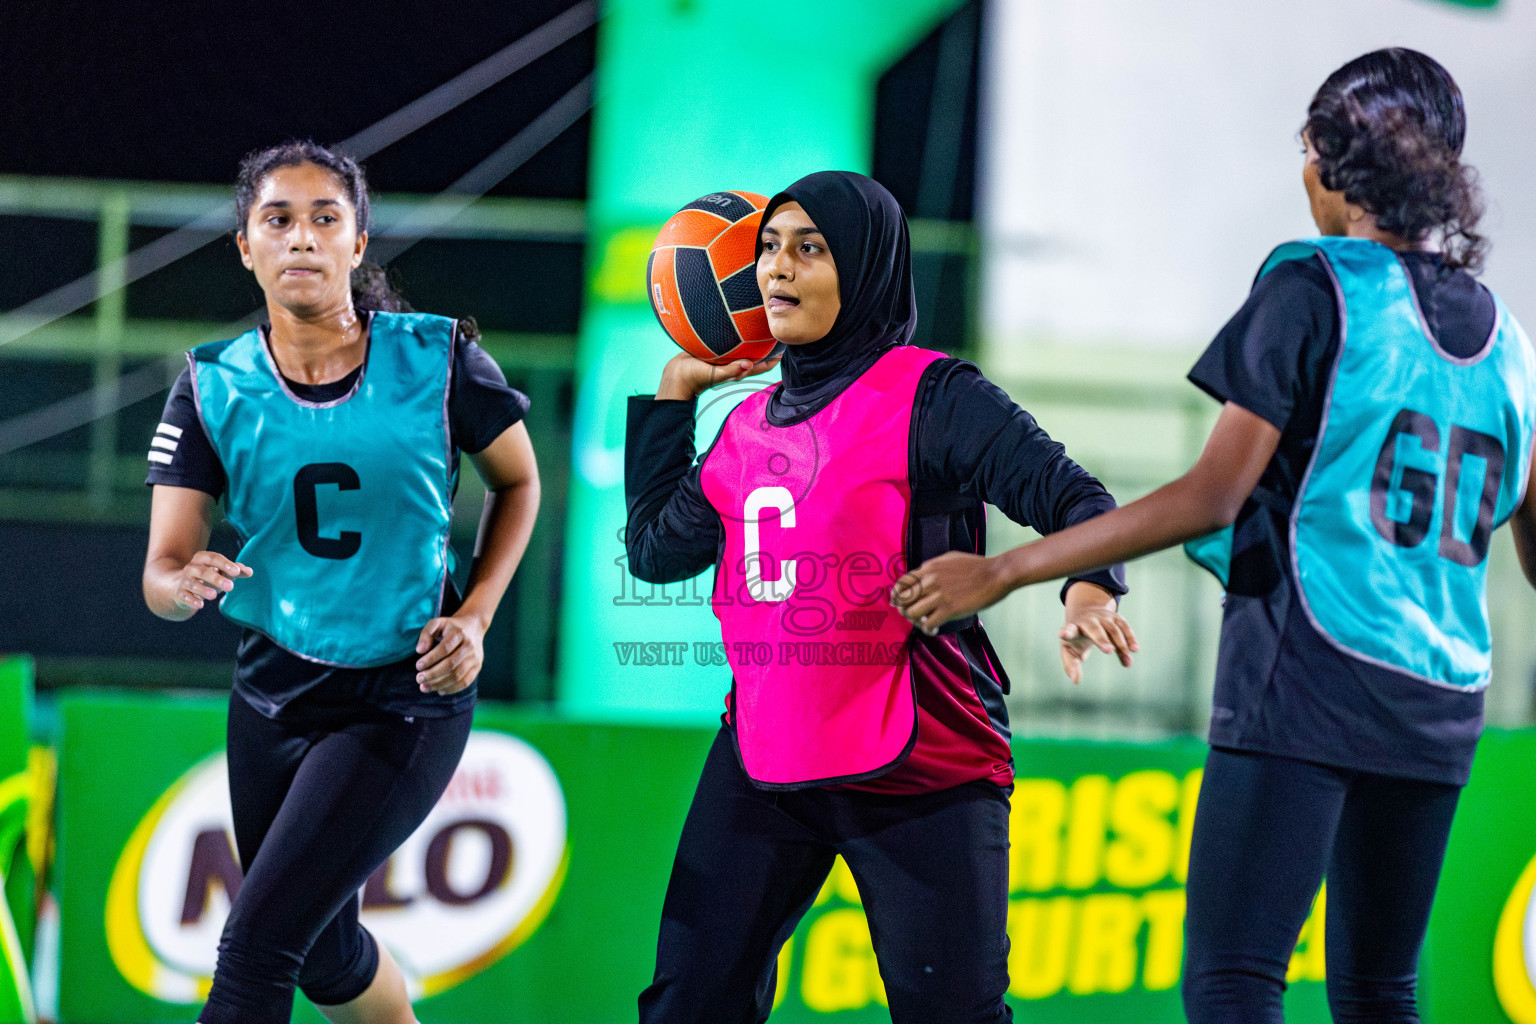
[320, 800]
[932, 871]
[1266, 831]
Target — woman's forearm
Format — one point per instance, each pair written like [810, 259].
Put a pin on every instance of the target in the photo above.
[1172, 514]
[505, 526]
[1201, 501]
[1522, 526]
[1204, 500]
[671, 532]
[180, 521]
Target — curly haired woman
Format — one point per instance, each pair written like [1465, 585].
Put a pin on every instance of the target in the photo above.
[1376, 426]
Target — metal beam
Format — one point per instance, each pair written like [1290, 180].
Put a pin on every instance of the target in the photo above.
[171, 205]
[75, 339]
[111, 296]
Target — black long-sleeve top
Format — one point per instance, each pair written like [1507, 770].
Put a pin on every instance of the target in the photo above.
[974, 445]
[1281, 687]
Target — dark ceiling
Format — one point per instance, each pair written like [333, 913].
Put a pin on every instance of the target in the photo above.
[175, 90]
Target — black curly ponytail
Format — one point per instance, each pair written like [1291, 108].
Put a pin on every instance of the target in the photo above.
[1388, 129]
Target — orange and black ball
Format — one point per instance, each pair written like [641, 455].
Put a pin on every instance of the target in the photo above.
[702, 278]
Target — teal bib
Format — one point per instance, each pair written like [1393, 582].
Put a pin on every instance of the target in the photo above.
[1420, 455]
[342, 507]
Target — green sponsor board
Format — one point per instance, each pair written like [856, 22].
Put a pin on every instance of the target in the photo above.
[1479, 961]
[1099, 837]
[694, 98]
[535, 887]
[17, 877]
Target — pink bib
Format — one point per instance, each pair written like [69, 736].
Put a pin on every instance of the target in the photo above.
[816, 518]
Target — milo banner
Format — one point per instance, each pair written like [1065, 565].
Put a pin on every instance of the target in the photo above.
[534, 889]
[1480, 957]
[531, 892]
[17, 877]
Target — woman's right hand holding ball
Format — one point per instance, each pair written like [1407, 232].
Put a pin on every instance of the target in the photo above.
[686, 377]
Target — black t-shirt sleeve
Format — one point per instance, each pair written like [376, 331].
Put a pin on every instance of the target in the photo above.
[1266, 357]
[974, 442]
[672, 531]
[481, 405]
[180, 454]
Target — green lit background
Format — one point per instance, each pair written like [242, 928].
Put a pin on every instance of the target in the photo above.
[1090, 186]
[741, 126]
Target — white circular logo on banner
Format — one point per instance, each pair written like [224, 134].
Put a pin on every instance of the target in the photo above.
[1514, 950]
[468, 886]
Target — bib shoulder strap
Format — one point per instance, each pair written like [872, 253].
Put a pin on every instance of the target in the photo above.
[430, 326]
[897, 368]
[218, 370]
[239, 349]
[1300, 249]
[1349, 255]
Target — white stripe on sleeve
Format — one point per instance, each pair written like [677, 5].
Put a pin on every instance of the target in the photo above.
[169, 430]
[160, 457]
[160, 442]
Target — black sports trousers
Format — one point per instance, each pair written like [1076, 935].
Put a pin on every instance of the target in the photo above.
[1266, 830]
[321, 797]
[932, 871]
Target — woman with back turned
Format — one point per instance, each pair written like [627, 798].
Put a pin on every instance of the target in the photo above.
[333, 434]
[1376, 427]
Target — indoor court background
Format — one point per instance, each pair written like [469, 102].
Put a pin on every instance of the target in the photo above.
[1090, 185]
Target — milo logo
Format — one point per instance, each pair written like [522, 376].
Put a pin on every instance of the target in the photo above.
[1514, 950]
[469, 886]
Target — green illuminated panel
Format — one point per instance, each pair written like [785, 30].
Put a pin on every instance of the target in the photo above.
[695, 96]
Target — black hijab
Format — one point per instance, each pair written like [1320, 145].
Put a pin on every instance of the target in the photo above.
[867, 236]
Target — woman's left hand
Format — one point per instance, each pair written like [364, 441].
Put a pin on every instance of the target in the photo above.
[949, 586]
[1093, 620]
[452, 650]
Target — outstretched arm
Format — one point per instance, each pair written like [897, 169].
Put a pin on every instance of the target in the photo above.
[1523, 525]
[1205, 499]
[975, 441]
[452, 647]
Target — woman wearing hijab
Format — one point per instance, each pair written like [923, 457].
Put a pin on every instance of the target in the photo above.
[861, 737]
